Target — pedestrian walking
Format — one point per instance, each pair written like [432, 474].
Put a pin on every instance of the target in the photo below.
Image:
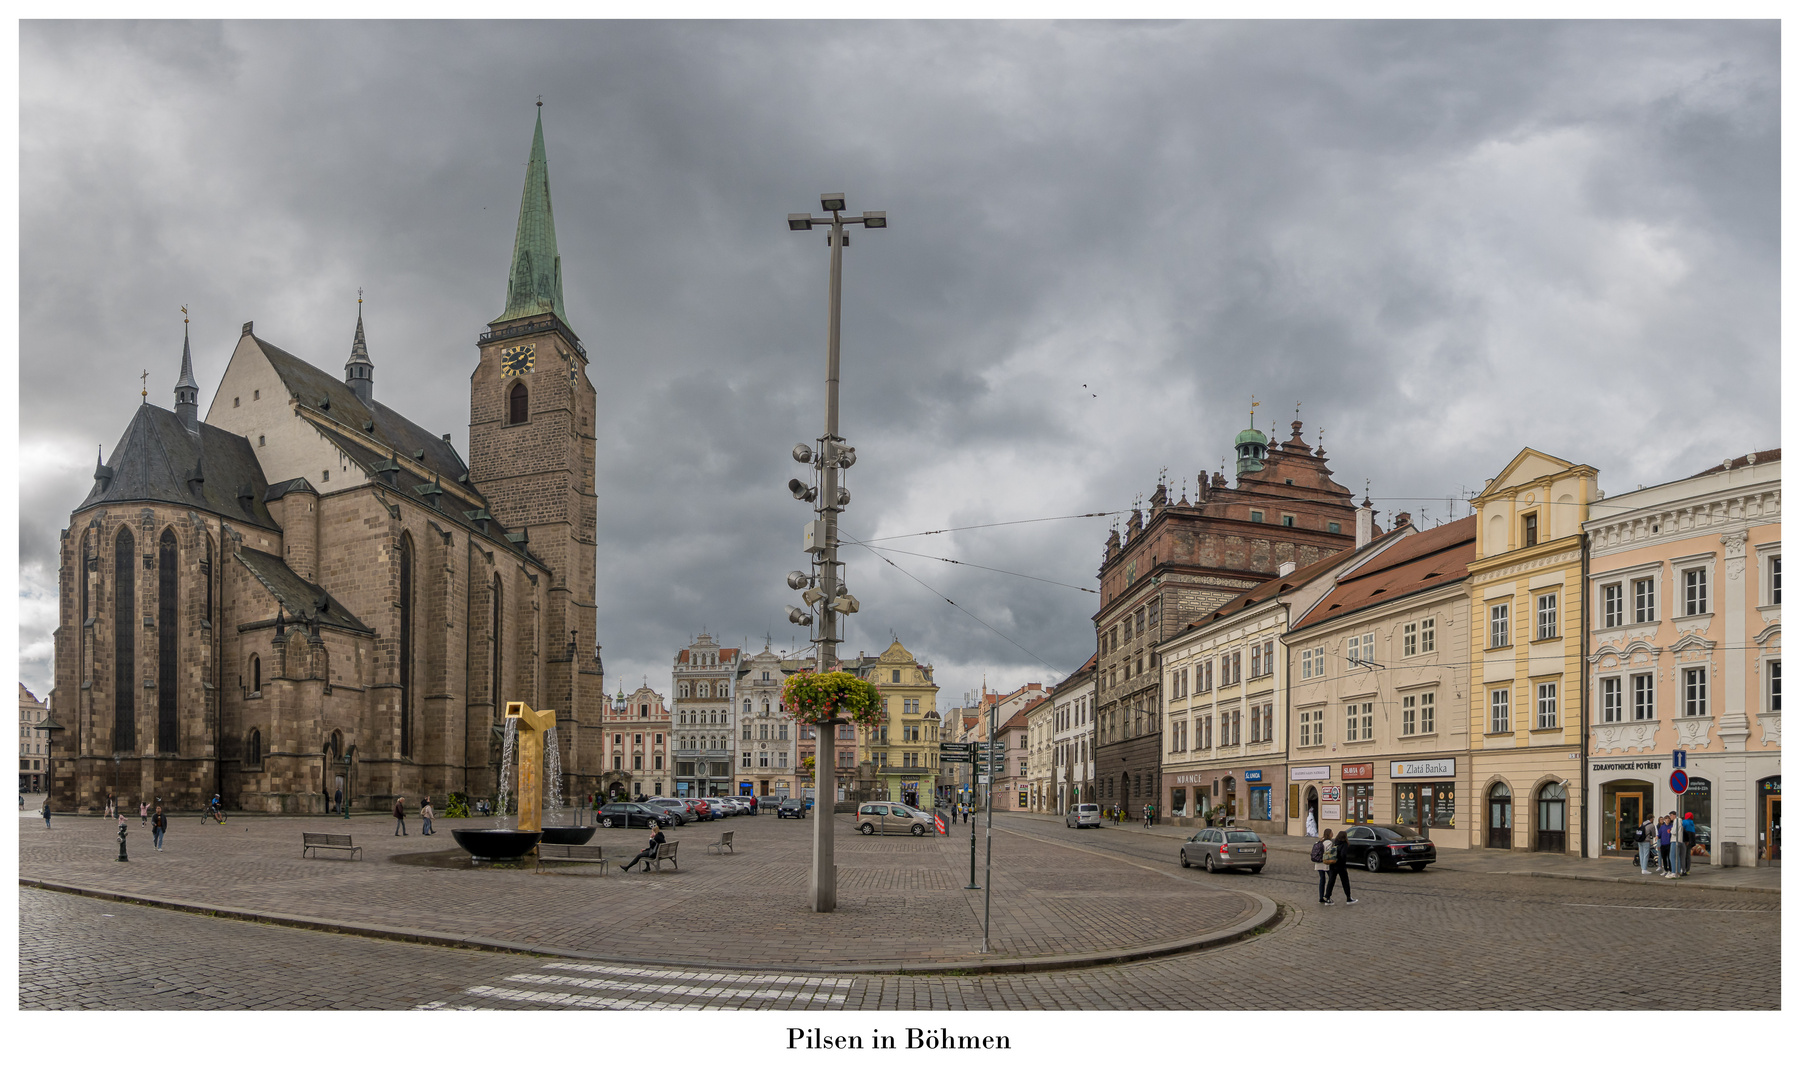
[159, 824]
[1149, 814]
[427, 816]
[1662, 843]
[1322, 859]
[650, 849]
[1690, 834]
[1340, 868]
[400, 816]
[143, 813]
[1646, 844]
[46, 811]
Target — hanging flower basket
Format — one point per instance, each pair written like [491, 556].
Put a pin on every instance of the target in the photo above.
[834, 696]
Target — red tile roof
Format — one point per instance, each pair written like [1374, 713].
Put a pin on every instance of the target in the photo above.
[1419, 562]
[1763, 457]
[1276, 586]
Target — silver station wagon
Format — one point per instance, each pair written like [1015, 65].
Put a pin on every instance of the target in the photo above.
[1225, 849]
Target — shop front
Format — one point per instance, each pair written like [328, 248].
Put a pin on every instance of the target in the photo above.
[1424, 797]
[1248, 796]
[1632, 790]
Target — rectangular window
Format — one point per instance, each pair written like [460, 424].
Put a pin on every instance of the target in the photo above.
[1409, 714]
[1546, 705]
[1693, 692]
[1428, 635]
[1546, 617]
[1206, 732]
[1773, 667]
[1693, 592]
[1643, 697]
[1409, 639]
[746, 759]
[1643, 600]
[1256, 515]
[1531, 530]
[1498, 638]
[1428, 713]
[1774, 579]
[1237, 729]
[1332, 526]
[1306, 729]
[781, 760]
[1288, 520]
[1499, 712]
[1368, 720]
[1612, 701]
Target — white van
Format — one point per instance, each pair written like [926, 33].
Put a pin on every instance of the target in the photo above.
[1083, 815]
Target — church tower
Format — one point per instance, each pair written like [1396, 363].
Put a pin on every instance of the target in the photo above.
[531, 444]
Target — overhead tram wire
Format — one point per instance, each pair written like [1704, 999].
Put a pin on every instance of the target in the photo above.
[1047, 664]
[978, 566]
[994, 525]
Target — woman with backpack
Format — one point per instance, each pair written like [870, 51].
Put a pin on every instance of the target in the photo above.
[1646, 843]
[1322, 861]
[1339, 856]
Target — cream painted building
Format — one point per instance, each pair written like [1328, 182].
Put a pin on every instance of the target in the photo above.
[1225, 683]
[1040, 726]
[897, 759]
[1684, 654]
[1379, 690]
[1072, 747]
[768, 745]
[32, 747]
[1525, 650]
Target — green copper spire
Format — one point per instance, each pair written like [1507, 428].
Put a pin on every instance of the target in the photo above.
[535, 284]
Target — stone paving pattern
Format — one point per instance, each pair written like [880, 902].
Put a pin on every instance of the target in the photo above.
[1437, 940]
[900, 898]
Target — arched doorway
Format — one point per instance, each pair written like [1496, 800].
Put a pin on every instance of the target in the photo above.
[1499, 816]
[1553, 817]
[1230, 804]
[1312, 810]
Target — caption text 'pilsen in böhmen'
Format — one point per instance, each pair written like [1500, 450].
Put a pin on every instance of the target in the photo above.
[916, 1039]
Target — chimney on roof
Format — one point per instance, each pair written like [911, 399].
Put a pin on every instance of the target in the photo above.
[1287, 568]
[1365, 523]
[1402, 520]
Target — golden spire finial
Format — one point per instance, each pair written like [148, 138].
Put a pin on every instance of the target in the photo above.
[1253, 404]
[184, 315]
[359, 294]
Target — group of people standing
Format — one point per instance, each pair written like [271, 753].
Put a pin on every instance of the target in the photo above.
[1665, 845]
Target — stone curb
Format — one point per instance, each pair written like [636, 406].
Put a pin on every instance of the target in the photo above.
[1266, 917]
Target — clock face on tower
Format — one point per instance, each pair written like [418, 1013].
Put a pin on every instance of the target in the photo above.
[518, 359]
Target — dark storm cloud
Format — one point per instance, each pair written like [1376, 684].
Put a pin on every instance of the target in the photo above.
[1447, 240]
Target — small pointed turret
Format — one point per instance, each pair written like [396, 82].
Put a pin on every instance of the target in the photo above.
[359, 370]
[534, 284]
[187, 391]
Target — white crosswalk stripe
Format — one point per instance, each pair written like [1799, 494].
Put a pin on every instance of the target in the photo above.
[646, 988]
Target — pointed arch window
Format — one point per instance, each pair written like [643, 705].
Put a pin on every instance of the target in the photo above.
[255, 674]
[253, 748]
[518, 404]
[406, 644]
[168, 643]
[124, 642]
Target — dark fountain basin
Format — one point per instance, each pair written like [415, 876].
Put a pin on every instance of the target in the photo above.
[568, 834]
[495, 844]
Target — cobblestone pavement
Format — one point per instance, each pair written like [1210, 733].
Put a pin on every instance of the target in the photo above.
[1414, 941]
[901, 899]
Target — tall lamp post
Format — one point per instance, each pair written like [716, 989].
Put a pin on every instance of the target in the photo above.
[49, 727]
[823, 589]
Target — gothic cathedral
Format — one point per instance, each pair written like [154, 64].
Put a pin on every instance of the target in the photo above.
[348, 631]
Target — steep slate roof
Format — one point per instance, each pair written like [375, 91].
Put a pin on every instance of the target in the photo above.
[301, 598]
[387, 427]
[1763, 457]
[1423, 561]
[535, 285]
[156, 457]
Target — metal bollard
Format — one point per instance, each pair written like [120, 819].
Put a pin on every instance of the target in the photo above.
[122, 827]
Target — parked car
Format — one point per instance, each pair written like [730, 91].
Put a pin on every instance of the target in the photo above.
[1083, 815]
[768, 802]
[809, 802]
[737, 804]
[675, 807]
[1225, 849]
[793, 808]
[628, 815]
[893, 817]
[1387, 847]
[704, 808]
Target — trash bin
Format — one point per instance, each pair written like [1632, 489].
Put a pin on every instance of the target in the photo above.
[1728, 853]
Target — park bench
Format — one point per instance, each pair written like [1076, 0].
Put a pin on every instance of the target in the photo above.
[328, 842]
[573, 853]
[723, 845]
[666, 853]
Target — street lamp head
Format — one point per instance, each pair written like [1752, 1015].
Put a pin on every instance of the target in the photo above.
[832, 202]
[812, 596]
[846, 605]
[874, 219]
[798, 580]
[798, 617]
[802, 453]
[801, 491]
[843, 496]
[799, 222]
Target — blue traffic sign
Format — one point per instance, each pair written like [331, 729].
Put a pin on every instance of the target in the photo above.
[1678, 781]
[1678, 759]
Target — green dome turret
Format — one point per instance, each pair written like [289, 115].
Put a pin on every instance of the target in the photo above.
[1252, 447]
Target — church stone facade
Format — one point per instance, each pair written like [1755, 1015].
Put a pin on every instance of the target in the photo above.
[307, 593]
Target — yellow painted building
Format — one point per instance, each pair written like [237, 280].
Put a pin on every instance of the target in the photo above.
[900, 754]
[1525, 652]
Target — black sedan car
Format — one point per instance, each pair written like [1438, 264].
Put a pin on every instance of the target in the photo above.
[630, 815]
[793, 808]
[1388, 847]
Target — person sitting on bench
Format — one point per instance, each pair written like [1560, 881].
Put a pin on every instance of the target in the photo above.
[650, 850]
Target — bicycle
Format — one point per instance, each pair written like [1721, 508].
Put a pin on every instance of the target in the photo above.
[210, 814]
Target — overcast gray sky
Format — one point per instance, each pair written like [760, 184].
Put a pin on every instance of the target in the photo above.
[1447, 240]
